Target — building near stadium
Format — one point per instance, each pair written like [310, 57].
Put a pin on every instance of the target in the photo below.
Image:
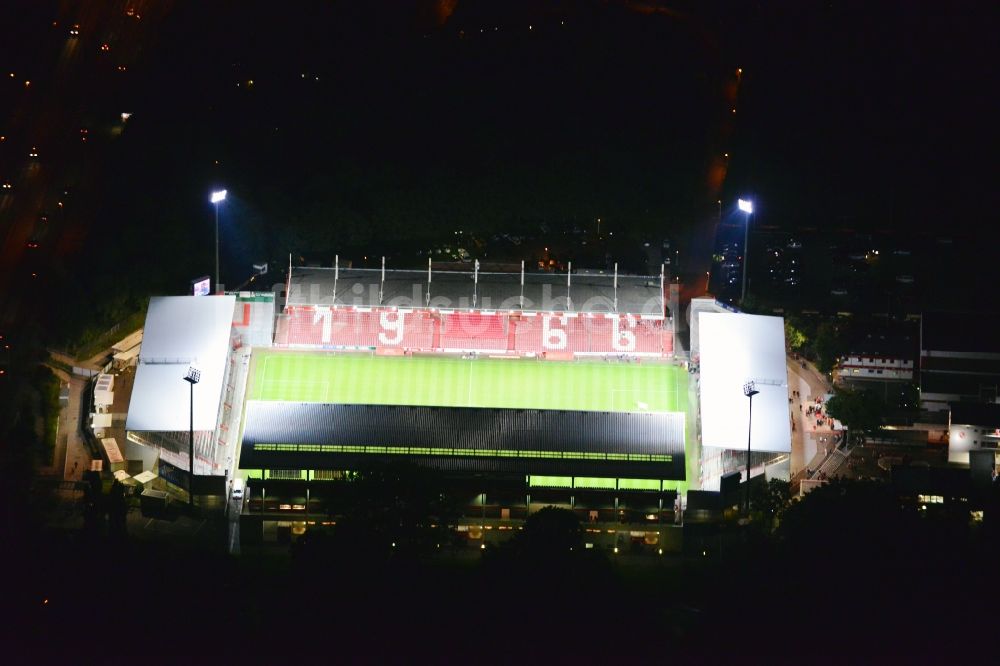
[959, 361]
[525, 389]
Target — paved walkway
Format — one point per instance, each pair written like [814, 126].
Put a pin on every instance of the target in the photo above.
[71, 457]
[809, 443]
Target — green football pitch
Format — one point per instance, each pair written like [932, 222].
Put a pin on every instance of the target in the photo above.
[455, 382]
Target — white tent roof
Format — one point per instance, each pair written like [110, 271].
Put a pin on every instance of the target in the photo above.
[144, 477]
[181, 331]
[735, 349]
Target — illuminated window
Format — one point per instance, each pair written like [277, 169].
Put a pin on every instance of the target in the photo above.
[285, 474]
[326, 475]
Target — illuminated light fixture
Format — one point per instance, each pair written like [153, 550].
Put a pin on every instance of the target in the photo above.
[745, 205]
[126, 116]
[220, 195]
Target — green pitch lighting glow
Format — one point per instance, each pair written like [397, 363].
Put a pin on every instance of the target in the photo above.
[453, 382]
[597, 385]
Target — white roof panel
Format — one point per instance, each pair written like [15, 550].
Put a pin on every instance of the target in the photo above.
[736, 348]
[183, 328]
[181, 331]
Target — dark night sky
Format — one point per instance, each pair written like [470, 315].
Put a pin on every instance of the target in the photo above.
[870, 114]
[849, 114]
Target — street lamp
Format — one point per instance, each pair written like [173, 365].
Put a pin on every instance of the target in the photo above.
[749, 390]
[217, 197]
[192, 377]
[746, 206]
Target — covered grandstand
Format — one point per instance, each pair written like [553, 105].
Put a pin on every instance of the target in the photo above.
[736, 348]
[459, 312]
[523, 441]
[214, 334]
[181, 332]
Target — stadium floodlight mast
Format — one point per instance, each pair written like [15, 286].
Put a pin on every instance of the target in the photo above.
[745, 205]
[749, 390]
[217, 197]
[192, 377]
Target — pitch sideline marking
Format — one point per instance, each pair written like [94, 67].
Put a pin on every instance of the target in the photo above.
[263, 376]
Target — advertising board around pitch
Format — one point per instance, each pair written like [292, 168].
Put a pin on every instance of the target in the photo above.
[735, 349]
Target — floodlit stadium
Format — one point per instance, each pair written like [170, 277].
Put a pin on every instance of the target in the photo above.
[570, 374]
[529, 389]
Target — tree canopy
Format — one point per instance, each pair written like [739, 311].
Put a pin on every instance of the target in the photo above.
[860, 410]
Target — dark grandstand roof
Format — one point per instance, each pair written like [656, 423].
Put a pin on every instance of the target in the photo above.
[494, 291]
[288, 435]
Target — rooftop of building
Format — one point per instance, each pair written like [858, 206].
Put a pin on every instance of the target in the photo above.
[976, 413]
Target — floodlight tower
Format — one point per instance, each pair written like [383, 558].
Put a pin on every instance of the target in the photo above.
[749, 390]
[217, 197]
[745, 205]
[192, 377]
